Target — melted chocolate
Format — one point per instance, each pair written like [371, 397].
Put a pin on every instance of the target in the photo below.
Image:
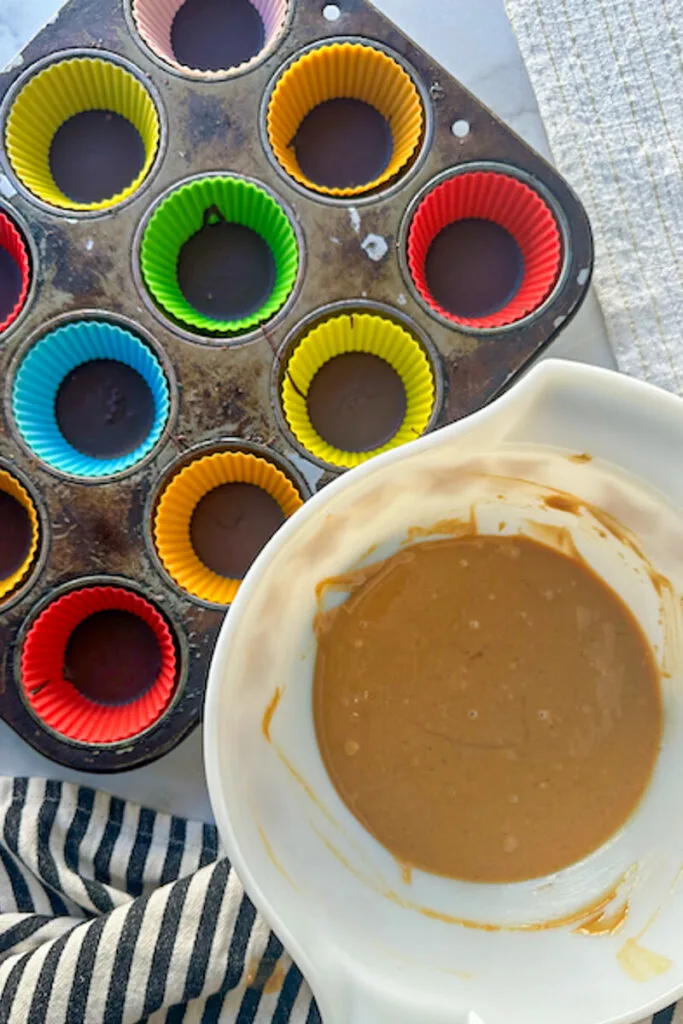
[112, 657]
[343, 143]
[231, 524]
[104, 408]
[15, 534]
[10, 284]
[356, 402]
[215, 34]
[474, 267]
[95, 154]
[226, 271]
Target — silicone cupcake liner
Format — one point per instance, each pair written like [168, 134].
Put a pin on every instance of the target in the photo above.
[154, 20]
[183, 213]
[43, 369]
[349, 71]
[13, 243]
[10, 485]
[179, 500]
[507, 202]
[361, 332]
[57, 93]
[58, 703]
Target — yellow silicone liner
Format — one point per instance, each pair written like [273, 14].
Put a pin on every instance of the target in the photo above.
[10, 485]
[357, 332]
[349, 71]
[179, 500]
[54, 95]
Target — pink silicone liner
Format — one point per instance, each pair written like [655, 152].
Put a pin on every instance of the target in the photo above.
[154, 18]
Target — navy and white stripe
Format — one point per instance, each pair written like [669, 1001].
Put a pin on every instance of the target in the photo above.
[116, 914]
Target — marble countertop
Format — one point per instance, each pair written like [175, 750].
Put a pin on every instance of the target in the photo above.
[475, 42]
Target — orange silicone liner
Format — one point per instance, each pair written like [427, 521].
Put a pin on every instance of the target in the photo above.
[508, 202]
[180, 498]
[58, 703]
[10, 485]
[350, 71]
[13, 243]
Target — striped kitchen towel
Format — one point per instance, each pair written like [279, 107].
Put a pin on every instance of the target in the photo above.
[112, 913]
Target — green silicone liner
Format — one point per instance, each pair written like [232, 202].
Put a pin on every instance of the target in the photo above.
[182, 213]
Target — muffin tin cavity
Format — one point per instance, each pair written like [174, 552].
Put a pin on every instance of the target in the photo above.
[15, 271]
[82, 134]
[219, 254]
[99, 665]
[90, 399]
[213, 517]
[355, 385]
[240, 253]
[344, 119]
[210, 39]
[19, 534]
[484, 249]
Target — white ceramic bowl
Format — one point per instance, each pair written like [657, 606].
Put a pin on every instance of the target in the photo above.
[375, 948]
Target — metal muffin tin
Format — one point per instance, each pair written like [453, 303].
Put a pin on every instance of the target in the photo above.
[225, 390]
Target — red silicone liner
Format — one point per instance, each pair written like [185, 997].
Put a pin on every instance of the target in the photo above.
[13, 243]
[513, 205]
[58, 703]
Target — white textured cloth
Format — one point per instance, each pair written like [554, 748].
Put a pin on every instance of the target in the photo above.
[608, 76]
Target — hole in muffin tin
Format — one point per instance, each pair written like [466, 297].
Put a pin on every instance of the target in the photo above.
[364, 195]
[157, 27]
[9, 472]
[142, 338]
[132, 587]
[531, 183]
[33, 183]
[328, 312]
[205, 336]
[191, 457]
[331, 12]
[460, 128]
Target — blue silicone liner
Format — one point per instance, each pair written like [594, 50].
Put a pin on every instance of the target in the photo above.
[43, 369]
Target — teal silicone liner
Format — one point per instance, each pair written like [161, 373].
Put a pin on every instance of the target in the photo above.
[43, 369]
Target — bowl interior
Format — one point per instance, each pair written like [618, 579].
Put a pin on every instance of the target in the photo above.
[433, 946]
